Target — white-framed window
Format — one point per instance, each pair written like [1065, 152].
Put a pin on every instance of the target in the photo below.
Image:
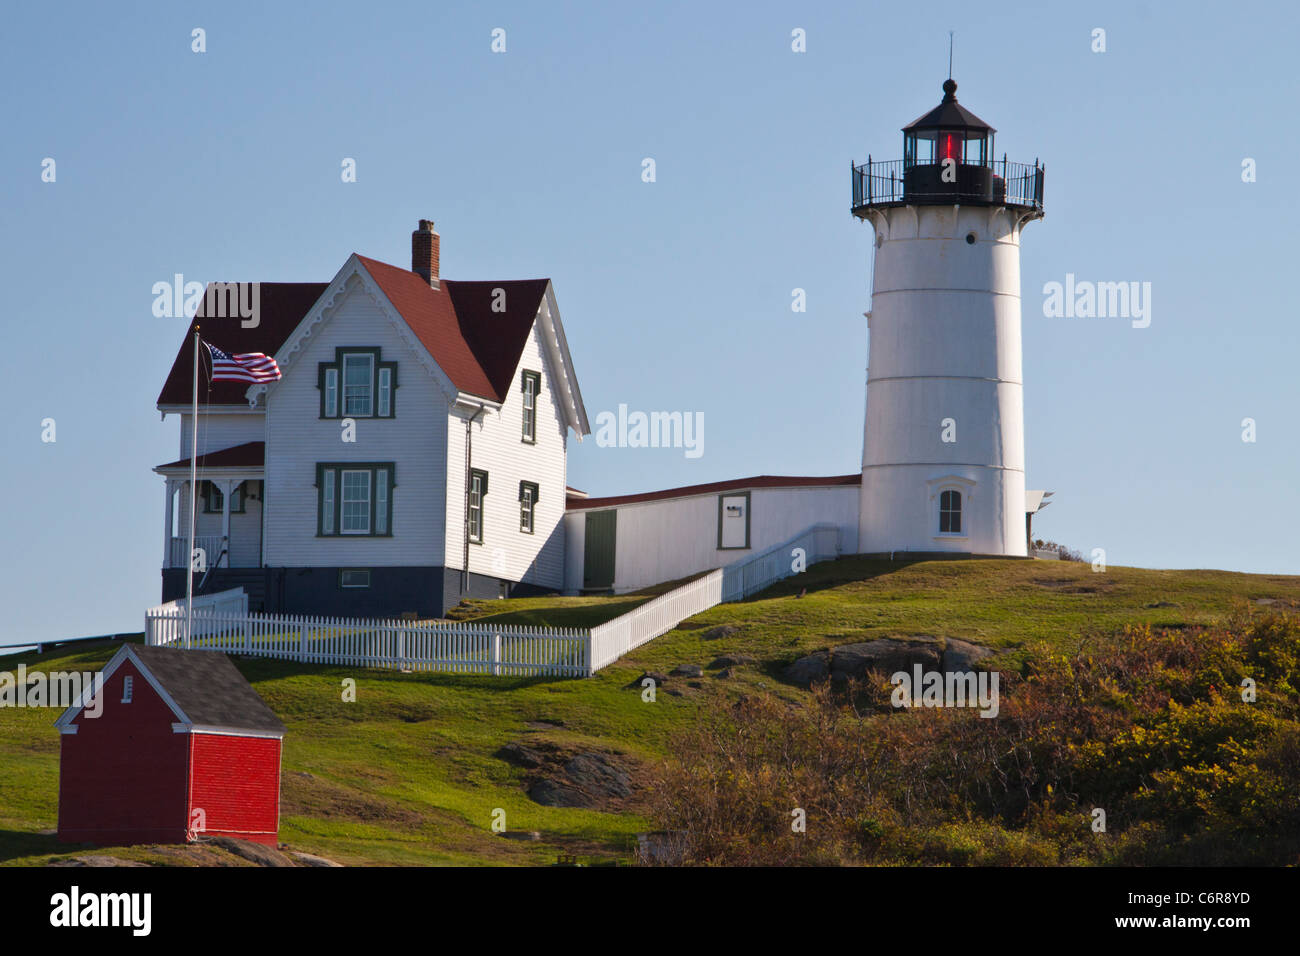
[527, 506]
[477, 491]
[950, 511]
[358, 384]
[355, 498]
[530, 385]
[128, 688]
[950, 498]
[354, 514]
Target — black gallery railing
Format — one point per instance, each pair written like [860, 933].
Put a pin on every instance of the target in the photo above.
[996, 182]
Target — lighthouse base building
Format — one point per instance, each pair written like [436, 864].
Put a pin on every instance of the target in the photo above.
[943, 461]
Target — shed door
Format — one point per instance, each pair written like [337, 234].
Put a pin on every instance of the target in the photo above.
[598, 551]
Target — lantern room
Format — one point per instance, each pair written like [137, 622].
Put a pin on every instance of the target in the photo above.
[947, 158]
[949, 131]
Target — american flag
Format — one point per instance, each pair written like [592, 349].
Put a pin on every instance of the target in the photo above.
[244, 367]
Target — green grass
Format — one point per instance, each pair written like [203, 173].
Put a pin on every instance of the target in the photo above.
[407, 773]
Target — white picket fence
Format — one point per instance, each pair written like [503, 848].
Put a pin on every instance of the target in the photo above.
[222, 623]
[821, 542]
[452, 647]
[613, 639]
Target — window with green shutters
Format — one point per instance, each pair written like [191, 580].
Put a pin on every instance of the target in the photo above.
[531, 384]
[478, 483]
[357, 384]
[354, 499]
[527, 506]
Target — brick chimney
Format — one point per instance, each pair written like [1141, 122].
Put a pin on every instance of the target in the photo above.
[424, 252]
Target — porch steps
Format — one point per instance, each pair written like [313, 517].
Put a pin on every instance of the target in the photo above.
[252, 580]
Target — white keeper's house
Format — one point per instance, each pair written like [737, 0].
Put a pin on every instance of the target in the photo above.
[461, 397]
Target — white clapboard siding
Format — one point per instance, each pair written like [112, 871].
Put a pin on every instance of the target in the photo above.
[245, 529]
[218, 430]
[672, 538]
[415, 440]
[499, 450]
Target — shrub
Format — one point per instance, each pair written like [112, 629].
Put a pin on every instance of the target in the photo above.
[1149, 726]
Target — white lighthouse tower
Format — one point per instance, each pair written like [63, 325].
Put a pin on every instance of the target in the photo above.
[943, 458]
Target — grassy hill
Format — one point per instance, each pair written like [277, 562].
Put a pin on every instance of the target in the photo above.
[412, 772]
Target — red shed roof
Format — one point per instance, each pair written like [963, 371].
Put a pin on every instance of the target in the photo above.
[477, 347]
[577, 503]
[202, 688]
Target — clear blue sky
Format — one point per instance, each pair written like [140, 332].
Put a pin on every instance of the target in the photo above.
[675, 295]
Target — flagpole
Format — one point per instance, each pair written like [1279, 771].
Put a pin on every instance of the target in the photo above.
[194, 452]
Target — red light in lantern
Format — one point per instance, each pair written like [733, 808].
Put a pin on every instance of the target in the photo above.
[949, 147]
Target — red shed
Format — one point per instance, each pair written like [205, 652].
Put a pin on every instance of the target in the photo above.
[182, 745]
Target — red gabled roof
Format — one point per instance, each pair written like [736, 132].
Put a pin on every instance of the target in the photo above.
[498, 338]
[282, 305]
[251, 454]
[476, 347]
[575, 503]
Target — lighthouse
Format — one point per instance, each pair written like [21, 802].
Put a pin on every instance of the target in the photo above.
[943, 456]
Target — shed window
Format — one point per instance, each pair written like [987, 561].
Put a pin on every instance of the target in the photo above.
[128, 687]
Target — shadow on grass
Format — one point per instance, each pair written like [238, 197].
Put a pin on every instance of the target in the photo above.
[260, 668]
[850, 569]
[20, 843]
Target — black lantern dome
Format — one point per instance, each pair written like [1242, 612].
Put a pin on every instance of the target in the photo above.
[947, 158]
[949, 131]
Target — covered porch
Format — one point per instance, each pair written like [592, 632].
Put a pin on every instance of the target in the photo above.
[228, 509]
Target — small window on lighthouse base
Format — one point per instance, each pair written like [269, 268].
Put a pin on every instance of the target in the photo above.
[950, 511]
[949, 497]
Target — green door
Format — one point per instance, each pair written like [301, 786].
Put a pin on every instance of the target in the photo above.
[598, 551]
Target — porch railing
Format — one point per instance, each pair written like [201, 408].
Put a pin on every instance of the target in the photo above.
[212, 544]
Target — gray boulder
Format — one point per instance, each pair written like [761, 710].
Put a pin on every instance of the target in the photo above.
[687, 670]
[597, 775]
[809, 670]
[962, 656]
[552, 793]
[731, 660]
[521, 755]
[886, 656]
[722, 630]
